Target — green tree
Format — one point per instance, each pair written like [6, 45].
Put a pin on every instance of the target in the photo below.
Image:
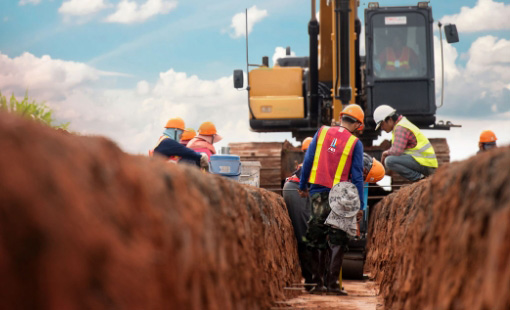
[30, 109]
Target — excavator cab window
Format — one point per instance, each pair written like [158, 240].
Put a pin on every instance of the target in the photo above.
[399, 45]
[400, 62]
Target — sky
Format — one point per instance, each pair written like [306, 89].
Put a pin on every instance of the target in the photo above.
[122, 68]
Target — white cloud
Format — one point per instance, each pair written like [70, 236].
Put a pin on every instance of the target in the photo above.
[81, 8]
[142, 88]
[238, 24]
[481, 87]
[450, 56]
[485, 15]
[25, 2]
[135, 117]
[44, 75]
[280, 52]
[131, 12]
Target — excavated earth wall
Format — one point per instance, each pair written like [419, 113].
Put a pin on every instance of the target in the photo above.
[444, 243]
[85, 226]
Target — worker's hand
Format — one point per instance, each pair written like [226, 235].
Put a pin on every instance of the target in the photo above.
[359, 216]
[204, 161]
[303, 193]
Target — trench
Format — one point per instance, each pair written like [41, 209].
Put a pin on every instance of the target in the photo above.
[85, 225]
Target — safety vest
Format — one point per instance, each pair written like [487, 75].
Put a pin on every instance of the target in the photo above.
[171, 159]
[392, 62]
[333, 156]
[423, 152]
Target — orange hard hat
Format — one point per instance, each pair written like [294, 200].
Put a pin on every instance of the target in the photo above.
[376, 173]
[207, 128]
[487, 136]
[188, 134]
[356, 112]
[306, 143]
[177, 123]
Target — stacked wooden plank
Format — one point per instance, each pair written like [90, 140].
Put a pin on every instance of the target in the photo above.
[277, 159]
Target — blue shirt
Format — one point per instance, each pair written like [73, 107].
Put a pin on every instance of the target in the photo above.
[169, 147]
[355, 175]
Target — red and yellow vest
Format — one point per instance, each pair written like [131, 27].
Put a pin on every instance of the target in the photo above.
[172, 159]
[392, 62]
[333, 156]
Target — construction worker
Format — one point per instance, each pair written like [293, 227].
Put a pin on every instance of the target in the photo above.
[169, 146]
[335, 155]
[299, 213]
[487, 141]
[187, 135]
[397, 59]
[411, 155]
[207, 136]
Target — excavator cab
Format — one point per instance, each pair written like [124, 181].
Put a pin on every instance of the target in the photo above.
[400, 62]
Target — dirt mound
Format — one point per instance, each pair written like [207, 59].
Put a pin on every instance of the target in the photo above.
[85, 226]
[443, 243]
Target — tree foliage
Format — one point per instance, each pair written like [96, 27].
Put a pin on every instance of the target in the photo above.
[30, 109]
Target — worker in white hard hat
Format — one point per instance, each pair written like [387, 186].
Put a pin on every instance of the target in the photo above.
[411, 155]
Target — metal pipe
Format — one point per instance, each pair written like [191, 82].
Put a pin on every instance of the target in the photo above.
[313, 32]
[442, 64]
[248, 68]
[345, 91]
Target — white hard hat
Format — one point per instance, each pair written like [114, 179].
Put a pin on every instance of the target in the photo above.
[381, 113]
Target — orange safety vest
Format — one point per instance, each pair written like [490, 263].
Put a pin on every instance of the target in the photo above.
[392, 62]
[333, 156]
[171, 159]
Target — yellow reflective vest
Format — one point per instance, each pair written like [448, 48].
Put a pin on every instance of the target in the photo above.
[423, 152]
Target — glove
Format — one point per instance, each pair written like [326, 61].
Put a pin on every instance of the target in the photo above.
[204, 161]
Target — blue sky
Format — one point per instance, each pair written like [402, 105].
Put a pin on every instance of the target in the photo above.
[120, 68]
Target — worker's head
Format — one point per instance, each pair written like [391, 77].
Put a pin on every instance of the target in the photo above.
[207, 131]
[373, 170]
[174, 128]
[385, 117]
[187, 135]
[352, 117]
[306, 144]
[398, 38]
[487, 140]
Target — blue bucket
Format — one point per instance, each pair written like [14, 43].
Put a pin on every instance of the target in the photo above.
[226, 165]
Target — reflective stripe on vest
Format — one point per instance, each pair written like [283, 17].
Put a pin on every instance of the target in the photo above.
[423, 152]
[392, 62]
[333, 156]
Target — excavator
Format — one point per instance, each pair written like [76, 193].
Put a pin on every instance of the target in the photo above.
[301, 94]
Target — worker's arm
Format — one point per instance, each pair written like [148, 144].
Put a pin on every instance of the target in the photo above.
[357, 171]
[404, 138]
[307, 164]
[169, 147]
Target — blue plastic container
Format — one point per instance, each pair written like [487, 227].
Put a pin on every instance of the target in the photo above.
[226, 165]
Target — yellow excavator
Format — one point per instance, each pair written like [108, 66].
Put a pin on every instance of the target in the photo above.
[300, 94]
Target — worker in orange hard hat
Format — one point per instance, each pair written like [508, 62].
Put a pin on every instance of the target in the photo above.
[207, 136]
[169, 146]
[335, 155]
[373, 170]
[187, 135]
[487, 141]
[299, 213]
[306, 144]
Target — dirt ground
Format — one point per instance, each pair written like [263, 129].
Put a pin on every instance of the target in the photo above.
[363, 295]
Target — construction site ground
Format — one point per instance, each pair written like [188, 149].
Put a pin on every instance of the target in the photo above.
[363, 295]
